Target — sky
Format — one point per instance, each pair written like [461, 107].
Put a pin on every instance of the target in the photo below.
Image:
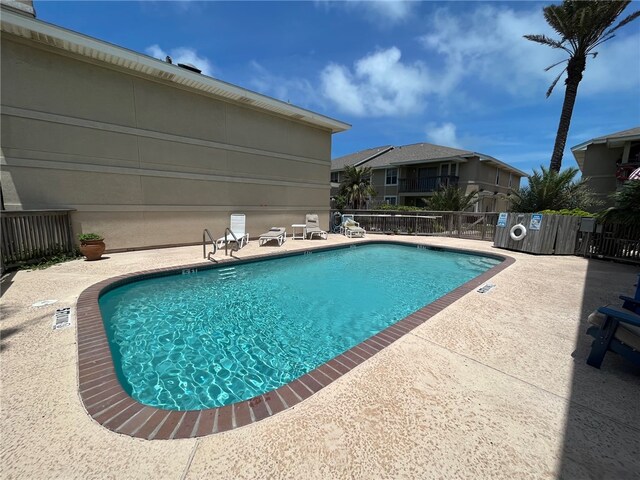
[458, 74]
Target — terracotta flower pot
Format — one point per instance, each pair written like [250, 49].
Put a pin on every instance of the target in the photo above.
[92, 249]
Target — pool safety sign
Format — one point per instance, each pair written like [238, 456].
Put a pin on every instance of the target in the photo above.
[62, 318]
[536, 221]
[502, 219]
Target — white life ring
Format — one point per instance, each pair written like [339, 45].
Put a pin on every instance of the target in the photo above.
[518, 236]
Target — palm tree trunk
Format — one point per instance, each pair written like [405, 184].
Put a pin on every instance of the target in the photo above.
[574, 76]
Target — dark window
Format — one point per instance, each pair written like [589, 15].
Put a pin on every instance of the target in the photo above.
[391, 177]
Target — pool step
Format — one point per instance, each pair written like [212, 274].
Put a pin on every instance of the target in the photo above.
[225, 273]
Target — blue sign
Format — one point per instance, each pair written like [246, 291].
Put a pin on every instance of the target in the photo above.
[536, 221]
[502, 219]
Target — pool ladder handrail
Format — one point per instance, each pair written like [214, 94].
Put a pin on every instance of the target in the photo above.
[226, 243]
[208, 256]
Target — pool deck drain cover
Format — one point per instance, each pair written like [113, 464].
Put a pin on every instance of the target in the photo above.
[43, 303]
[485, 288]
[62, 318]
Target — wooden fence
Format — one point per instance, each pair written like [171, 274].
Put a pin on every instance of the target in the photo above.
[611, 241]
[479, 226]
[546, 234]
[30, 235]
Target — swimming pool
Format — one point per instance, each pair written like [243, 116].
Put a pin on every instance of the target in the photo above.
[210, 338]
[102, 383]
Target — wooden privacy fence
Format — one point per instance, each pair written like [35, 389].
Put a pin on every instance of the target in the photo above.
[30, 235]
[545, 234]
[479, 226]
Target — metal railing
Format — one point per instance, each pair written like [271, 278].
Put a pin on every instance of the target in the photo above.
[209, 256]
[427, 184]
[611, 241]
[28, 236]
[226, 242]
[479, 226]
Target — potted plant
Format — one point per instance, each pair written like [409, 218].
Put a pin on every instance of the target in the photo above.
[91, 245]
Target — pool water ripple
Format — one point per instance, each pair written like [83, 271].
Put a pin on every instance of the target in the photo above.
[198, 341]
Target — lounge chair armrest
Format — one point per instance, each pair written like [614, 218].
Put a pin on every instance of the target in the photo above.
[621, 314]
[630, 302]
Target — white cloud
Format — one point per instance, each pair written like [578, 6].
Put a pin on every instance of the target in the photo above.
[615, 68]
[383, 13]
[393, 11]
[182, 55]
[380, 84]
[487, 43]
[295, 90]
[444, 134]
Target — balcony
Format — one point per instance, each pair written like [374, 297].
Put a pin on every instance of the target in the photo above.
[426, 184]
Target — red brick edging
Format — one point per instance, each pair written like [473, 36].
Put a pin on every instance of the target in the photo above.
[108, 404]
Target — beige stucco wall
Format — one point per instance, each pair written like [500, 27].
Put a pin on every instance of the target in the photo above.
[145, 163]
[599, 171]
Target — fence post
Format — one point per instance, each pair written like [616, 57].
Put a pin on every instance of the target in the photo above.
[459, 222]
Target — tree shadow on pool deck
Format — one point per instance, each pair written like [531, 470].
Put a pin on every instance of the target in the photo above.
[602, 431]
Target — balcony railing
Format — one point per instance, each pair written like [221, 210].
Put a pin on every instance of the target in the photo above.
[427, 184]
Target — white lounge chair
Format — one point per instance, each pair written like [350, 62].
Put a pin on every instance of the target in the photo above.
[351, 228]
[312, 227]
[278, 234]
[237, 225]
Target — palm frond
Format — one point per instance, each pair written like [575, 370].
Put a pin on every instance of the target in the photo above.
[622, 23]
[544, 40]
[555, 64]
[555, 82]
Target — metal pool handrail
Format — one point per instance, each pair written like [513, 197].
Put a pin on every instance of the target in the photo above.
[208, 256]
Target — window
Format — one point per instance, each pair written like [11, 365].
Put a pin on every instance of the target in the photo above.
[510, 179]
[497, 175]
[391, 177]
[335, 176]
[391, 200]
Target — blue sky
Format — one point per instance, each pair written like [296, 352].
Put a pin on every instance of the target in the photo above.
[451, 73]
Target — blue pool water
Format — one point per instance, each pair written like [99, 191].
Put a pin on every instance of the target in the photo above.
[219, 336]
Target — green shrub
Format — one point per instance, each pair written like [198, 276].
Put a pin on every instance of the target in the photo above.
[576, 212]
[83, 237]
[399, 208]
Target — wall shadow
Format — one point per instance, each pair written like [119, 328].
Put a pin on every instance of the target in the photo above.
[5, 282]
[602, 431]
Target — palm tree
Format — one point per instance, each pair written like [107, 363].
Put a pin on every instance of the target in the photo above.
[356, 185]
[451, 199]
[582, 26]
[627, 208]
[551, 190]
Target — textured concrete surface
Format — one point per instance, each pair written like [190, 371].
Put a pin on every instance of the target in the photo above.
[494, 386]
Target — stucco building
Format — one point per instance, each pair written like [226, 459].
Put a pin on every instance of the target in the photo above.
[607, 161]
[407, 175]
[149, 153]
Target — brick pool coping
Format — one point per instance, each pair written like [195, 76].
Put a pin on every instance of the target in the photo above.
[108, 404]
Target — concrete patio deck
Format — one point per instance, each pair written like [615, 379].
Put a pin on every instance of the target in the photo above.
[494, 386]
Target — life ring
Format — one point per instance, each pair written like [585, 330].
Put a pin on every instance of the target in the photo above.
[522, 232]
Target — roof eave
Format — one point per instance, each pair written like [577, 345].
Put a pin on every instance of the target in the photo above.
[456, 158]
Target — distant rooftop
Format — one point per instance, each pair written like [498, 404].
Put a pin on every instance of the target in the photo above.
[389, 156]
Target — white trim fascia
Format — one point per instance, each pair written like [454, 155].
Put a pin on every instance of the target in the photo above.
[98, 50]
[607, 140]
[400, 163]
[371, 157]
[504, 166]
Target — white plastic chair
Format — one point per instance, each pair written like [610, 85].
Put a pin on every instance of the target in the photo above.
[237, 225]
